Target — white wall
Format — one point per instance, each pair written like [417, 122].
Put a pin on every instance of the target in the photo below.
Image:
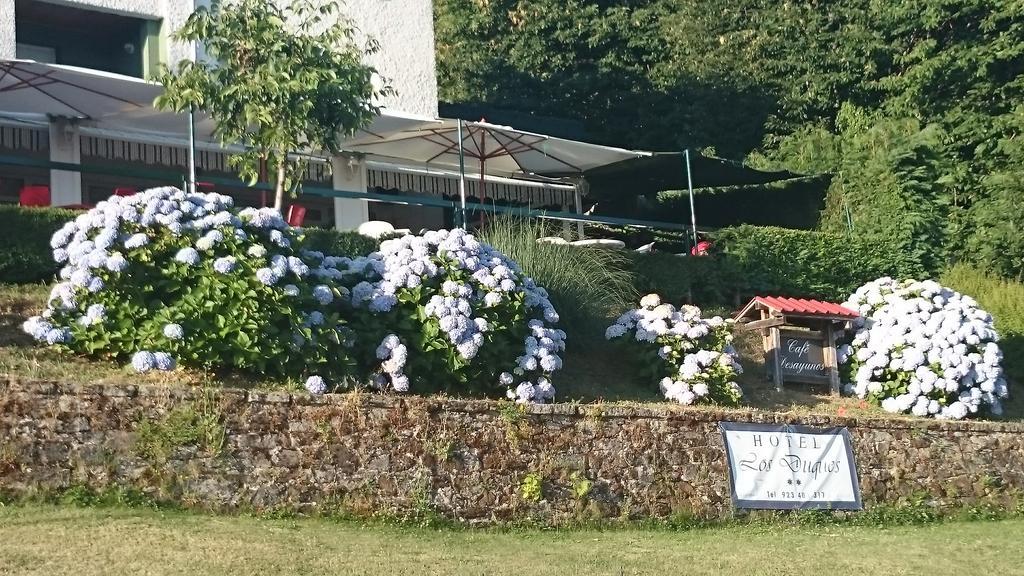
[405, 31]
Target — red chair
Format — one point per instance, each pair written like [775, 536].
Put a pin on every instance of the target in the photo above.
[204, 187]
[124, 191]
[703, 248]
[34, 196]
[296, 215]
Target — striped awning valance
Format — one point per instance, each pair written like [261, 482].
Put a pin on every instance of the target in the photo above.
[445, 185]
[22, 138]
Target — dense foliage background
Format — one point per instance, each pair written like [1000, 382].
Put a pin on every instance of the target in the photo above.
[915, 108]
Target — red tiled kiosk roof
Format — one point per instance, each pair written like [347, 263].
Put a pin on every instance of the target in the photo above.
[798, 306]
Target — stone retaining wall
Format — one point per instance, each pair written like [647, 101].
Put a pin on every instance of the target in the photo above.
[466, 460]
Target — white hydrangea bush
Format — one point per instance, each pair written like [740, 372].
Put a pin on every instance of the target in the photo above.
[452, 313]
[166, 276]
[691, 357]
[923, 349]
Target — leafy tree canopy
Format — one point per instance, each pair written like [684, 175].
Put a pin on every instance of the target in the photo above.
[279, 79]
[914, 107]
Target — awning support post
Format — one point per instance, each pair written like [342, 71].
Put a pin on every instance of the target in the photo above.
[191, 149]
[462, 180]
[689, 186]
[580, 187]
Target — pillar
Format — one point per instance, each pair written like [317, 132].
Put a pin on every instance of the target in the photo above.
[8, 34]
[65, 146]
[349, 175]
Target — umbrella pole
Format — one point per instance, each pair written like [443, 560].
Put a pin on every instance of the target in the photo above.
[483, 183]
[462, 179]
[191, 149]
[689, 185]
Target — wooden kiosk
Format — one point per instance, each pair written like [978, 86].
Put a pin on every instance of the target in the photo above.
[798, 336]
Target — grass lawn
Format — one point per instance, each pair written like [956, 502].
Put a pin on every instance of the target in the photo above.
[85, 541]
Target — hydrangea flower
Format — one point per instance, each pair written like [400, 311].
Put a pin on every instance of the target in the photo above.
[174, 331]
[923, 349]
[267, 276]
[188, 256]
[143, 361]
[323, 294]
[163, 361]
[224, 264]
[316, 385]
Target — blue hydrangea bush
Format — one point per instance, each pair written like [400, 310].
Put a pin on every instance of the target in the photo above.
[690, 357]
[923, 349]
[167, 277]
[453, 314]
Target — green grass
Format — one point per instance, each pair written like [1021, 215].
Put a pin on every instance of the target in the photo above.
[85, 541]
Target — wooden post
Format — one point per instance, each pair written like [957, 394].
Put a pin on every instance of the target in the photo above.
[766, 346]
[831, 359]
[777, 358]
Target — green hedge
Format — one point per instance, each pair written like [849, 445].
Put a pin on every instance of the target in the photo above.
[339, 243]
[26, 256]
[751, 260]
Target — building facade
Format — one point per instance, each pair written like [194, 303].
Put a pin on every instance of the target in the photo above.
[133, 37]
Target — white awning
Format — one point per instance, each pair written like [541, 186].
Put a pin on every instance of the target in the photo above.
[500, 150]
[106, 101]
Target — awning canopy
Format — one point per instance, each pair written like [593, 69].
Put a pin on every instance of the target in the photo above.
[667, 171]
[499, 150]
[107, 101]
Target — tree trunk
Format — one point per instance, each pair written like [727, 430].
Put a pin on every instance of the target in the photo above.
[279, 188]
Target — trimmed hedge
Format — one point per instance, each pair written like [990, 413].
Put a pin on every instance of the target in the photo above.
[330, 241]
[26, 255]
[752, 260]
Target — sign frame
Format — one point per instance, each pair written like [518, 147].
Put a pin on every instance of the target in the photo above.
[749, 504]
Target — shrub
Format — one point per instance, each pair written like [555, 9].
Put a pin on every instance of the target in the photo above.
[26, 253]
[165, 277]
[708, 280]
[586, 285]
[810, 264]
[690, 357]
[331, 241]
[752, 260]
[923, 349]
[458, 315]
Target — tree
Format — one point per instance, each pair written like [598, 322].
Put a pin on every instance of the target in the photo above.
[280, 80]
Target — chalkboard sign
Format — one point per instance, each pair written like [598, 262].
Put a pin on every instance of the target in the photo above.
[802, 357]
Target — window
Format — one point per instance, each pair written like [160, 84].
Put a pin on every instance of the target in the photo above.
[61, 34]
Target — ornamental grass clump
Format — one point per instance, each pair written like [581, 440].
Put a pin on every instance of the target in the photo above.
[923, 349]
[167, 277]
[690, 357]
[448, 312]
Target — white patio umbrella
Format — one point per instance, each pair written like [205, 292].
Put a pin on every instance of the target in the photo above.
[499, 150]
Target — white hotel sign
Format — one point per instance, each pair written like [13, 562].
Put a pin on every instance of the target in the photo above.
[790, 467]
